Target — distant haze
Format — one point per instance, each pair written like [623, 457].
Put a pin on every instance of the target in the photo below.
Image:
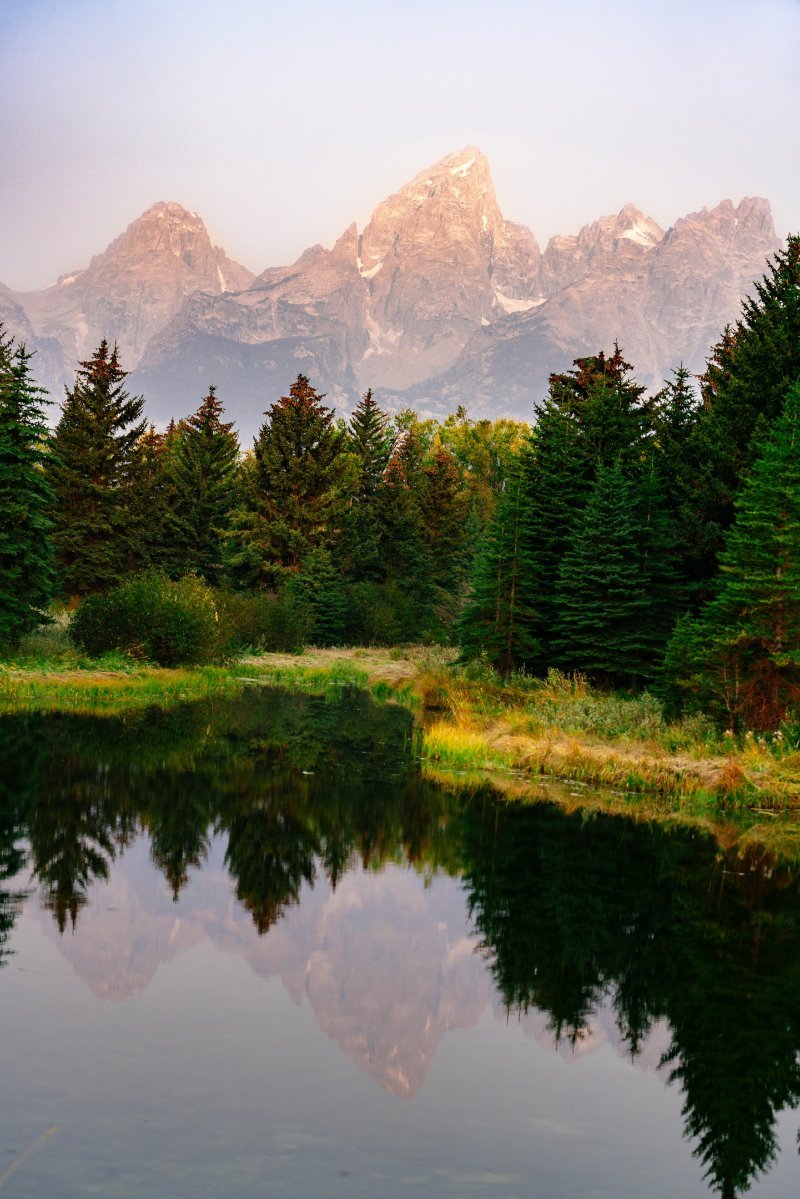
[281, 123]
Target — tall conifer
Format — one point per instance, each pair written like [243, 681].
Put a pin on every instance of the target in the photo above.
[90, 471]
[298, 495]
[603, 602]
[26, 552]
[202, 465]
[370, 441]
[744, 387]
[752, 628]
[496, 620]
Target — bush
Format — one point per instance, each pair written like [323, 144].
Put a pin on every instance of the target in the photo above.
[150, 616]
[272, 622]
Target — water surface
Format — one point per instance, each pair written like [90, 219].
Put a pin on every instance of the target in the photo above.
[246, 949]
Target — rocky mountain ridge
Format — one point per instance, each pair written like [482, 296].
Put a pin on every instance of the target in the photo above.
[438, 301]
[130, 291]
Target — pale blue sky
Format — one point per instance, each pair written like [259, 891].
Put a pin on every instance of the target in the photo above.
[282, 122]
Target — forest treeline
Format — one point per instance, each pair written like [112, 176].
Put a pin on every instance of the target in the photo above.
[639, 540]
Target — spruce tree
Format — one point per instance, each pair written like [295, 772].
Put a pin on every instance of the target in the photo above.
[90, 470]
[401, 538]
[603, 603]
[593, 417]
[555, 482]
[745, 384]
[298, 499]
[496, 621]
[752, 627]
[676, 416]
[26, 551]
[319, 586]
[607, 405]
[369, 439]
[202, 465]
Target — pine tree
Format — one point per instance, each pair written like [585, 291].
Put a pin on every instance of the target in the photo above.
[298, 496]
[602, 595]
[658, 546]
[401, 538]
[370, 441]
[593, 416]
[26, 551]
[555, 489]
[676, 416]
[90, 470]
[752, 628]
[319, 585]
[607, 405]
[203, 463]
[745, 384]
[496, 621]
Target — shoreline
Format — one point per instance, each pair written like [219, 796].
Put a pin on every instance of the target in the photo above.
[532, 740]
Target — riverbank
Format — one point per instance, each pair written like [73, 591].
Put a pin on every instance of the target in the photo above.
[474, 728]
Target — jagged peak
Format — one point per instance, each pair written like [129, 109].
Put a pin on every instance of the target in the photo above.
[752, 216]
[170, 210]
[470, 161]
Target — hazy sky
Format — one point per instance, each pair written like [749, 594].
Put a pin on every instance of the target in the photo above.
[282, 122]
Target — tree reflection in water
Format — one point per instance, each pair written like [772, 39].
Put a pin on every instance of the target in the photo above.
[570, 910]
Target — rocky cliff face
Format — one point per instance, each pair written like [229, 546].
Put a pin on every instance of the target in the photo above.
[439, 301]
[665, 297]
[134, 288]
[388, 308]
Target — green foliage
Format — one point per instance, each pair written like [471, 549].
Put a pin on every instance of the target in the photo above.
[443, 513]
[744, 387]
[202, 463]
[152, 501]
[319, 588]
[752, 628]
[297, 492]
[486, 451]
[602, 595]
[676, 414]
[380, 614]
[370, 443]
[26, 498]
[496, 622]
[270, 621]
[150, 616]
[681, 683]
[90, 471]
[370, 439]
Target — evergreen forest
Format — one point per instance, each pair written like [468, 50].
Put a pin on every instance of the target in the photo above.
[641, 541]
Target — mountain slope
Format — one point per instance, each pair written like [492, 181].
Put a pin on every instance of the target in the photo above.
[438, 302]
[134, 288]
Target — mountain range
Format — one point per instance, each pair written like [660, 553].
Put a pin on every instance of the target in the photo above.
[438, 302]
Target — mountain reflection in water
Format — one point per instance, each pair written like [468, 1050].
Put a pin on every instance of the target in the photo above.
[298, 833]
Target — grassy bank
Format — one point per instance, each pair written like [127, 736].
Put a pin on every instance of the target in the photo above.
[561, 727]
[472, 726]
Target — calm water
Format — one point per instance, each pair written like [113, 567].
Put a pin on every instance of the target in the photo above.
[245, 950]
